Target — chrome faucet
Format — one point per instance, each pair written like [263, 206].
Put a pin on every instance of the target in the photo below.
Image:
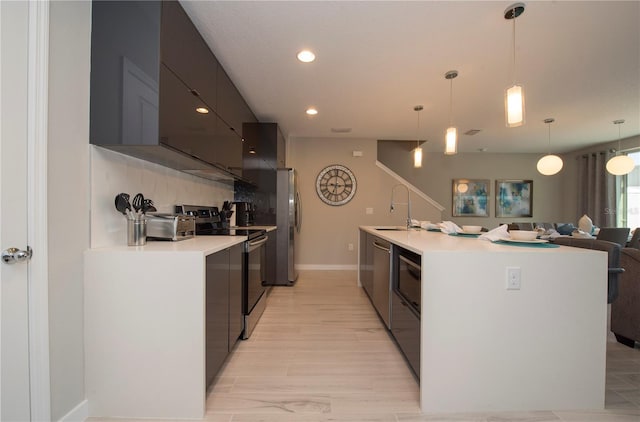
[408, 203]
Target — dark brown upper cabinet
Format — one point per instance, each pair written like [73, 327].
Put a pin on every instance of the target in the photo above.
[150, 71]
[185, 52]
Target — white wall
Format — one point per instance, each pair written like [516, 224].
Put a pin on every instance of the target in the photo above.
[328, 230]
[68, 198]
[112, 173]
[438, 171]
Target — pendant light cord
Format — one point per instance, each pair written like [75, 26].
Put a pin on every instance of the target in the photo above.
[451, 103]
[619, 143]
[418, 131]
[548, 121]
[513, 74]
[418, 108]
[618, 123]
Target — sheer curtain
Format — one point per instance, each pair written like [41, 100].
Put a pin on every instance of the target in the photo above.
[597, 189]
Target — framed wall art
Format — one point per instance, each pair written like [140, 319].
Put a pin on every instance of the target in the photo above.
[470, 198]
[514, 198]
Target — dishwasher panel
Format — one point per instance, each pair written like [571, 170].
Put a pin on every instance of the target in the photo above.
[382, 279]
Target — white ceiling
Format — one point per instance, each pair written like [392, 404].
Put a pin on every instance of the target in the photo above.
[579, 63]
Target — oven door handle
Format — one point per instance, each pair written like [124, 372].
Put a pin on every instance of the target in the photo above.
[259, 242]
[409, 262]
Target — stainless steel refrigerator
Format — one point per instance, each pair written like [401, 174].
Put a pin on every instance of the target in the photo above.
[289, 222]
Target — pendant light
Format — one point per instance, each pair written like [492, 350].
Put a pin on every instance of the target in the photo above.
[451, 136]
[620, 164]
[514, 96]
[549, 164]
[417, 153]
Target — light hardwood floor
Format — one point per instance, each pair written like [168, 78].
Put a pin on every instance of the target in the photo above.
[320, 353]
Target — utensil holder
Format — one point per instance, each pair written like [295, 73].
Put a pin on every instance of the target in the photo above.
[136, 232]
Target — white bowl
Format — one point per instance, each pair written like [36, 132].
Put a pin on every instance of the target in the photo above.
[523, 235]
[472, 229]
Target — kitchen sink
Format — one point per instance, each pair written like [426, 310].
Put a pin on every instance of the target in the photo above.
[394, 228]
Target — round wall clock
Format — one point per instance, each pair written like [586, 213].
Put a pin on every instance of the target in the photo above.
[336, 185]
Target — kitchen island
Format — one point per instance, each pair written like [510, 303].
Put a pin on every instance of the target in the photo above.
[486, 348]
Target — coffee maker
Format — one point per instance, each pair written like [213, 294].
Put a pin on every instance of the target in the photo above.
[245, 214]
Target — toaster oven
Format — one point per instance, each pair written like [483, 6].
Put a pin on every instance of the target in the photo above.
[170, 226]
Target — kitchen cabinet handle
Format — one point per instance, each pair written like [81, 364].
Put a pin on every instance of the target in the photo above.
[409, 262]
[298, 212]
[381, 247]
[259, 242]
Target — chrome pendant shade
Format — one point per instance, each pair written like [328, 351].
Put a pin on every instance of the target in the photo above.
[550, 164]
[620, 164]
[514, 95]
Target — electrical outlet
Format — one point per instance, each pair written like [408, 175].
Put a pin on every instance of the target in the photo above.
[350, 246]
[368, 210]
[514, 280]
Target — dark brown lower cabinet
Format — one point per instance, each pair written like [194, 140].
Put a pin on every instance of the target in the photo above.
[217, 313]
[224, 318]
[236, 317]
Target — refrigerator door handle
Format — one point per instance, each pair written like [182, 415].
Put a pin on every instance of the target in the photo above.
[298, 213]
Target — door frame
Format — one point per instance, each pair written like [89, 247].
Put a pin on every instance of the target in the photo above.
[37, 231]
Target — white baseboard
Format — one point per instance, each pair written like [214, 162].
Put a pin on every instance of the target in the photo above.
[80, 413]
[307, 267]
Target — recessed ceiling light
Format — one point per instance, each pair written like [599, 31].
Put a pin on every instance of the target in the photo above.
[312, 111]
[202, 110]
[306, 56]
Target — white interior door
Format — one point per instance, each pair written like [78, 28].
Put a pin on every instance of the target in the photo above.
[14, 289]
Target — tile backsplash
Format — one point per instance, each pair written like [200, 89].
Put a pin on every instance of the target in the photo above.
[112, 173]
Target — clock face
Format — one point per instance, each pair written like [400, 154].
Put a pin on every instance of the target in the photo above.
[336, 185]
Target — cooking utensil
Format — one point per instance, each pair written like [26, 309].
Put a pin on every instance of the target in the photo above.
[147, 206]
[138, 200]
[122, 203]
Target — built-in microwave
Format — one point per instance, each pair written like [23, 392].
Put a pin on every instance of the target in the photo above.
[408, 284]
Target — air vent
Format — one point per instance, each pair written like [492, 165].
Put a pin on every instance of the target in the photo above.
[472, 132]
[340, 129]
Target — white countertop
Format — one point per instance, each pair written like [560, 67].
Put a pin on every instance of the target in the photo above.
[267, 228]
[420, 241]
[205, 245]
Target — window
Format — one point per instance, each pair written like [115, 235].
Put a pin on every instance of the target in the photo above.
[629, 196]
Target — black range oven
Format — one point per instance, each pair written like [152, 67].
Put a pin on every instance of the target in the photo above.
[208, 223]
[254, 291]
